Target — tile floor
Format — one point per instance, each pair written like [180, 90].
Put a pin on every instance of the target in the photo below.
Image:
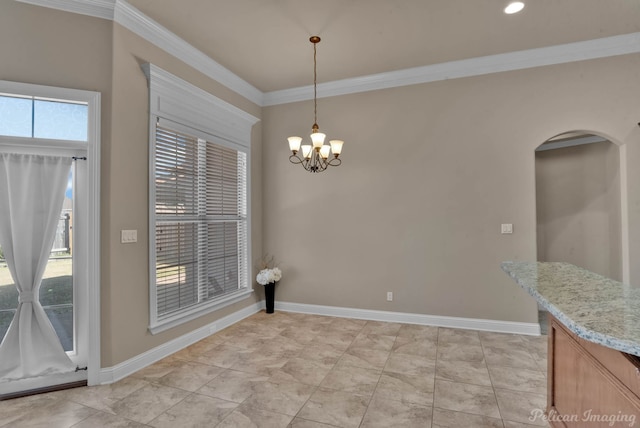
[309, 371]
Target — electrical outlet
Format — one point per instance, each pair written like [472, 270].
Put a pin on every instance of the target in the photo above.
[389, 296]
[506, 229]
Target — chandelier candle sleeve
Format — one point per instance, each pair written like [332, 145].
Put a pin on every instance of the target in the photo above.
[315, 156]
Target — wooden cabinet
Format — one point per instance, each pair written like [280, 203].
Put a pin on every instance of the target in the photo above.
[590, 385]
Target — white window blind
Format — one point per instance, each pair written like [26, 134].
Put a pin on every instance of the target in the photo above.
[201, 232]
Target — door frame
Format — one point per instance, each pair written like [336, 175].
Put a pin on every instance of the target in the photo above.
[90, 238]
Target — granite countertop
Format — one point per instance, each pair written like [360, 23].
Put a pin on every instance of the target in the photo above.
[595, 308]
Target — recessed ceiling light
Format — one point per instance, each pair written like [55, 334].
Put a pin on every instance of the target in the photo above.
[514, 7]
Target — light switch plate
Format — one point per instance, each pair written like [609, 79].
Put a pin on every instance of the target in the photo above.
[506, 228]
[128, 236]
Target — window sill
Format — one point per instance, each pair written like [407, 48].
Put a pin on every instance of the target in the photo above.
[165, 324]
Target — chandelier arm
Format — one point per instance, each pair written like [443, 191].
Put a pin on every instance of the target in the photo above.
[334, 162]
[295, 159]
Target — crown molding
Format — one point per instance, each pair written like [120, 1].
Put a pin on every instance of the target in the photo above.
[518, 60]
[140, 24]
[137, 22]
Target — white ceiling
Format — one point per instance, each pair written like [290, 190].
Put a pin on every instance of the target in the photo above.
[266, 42]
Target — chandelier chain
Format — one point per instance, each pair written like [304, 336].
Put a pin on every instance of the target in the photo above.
[315, 91]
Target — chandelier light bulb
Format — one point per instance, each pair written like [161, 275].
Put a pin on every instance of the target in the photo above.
[336, 147]
[514, 7]
[294, 144]
[306, 151]
[324, 151]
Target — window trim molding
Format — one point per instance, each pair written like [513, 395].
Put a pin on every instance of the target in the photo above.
[175, 100]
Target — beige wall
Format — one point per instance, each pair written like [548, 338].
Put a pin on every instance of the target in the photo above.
[578, 207]
[125, 279]
[69, 50]
[429, 173]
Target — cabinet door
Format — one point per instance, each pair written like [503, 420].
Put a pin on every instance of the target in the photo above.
[585, 394]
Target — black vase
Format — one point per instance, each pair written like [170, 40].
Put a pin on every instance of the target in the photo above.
[270, 295]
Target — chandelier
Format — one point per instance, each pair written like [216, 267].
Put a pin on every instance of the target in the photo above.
[315, 156]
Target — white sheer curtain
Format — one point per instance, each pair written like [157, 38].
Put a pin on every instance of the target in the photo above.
[31, 194]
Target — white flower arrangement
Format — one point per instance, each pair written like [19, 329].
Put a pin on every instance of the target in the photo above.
[268, 271]
[267, 276]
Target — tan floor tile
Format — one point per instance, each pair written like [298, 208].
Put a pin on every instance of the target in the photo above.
[510, 424]
[338, 408]
[346, 325]
[410, 373]
[381, 328]
[363, 357]
[320, 352]
[12, 410]
[103, 397]
[373, 341]
[281, 345]
[195, 411]
[459, 351]
[60, 413]
[156, 370]
[249, 341]
[302, 336]
[222, 356]
[246, 417]
[356, 380]
[406, 388]
[519, 379]
[195, 350]
[454, 335]
[521, 406]
[419, 332]
[147, 403]
[509, 357]
[502, 340]
[450, 419]
[474, 372]
[337, 340]
[233, 385]
[303, 423]
[463, 397]
[410, 364]
[107, 420]
[383, 413]
[287, 398]
[257, 362]
[309, 372]
[190, 376]
[415, 346]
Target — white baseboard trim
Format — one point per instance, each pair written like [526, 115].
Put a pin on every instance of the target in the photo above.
[132, 365]
[530, 329]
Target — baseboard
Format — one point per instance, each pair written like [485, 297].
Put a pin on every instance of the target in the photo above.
[132, 365]
[530, 329]
[126, 368]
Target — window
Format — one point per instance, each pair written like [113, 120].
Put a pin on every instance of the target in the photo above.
[199, 207]
[201, 221]
[35, 117]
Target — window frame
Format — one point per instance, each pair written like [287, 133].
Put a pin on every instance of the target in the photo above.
[183, 107]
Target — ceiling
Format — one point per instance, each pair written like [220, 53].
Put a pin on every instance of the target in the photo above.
[266, 42]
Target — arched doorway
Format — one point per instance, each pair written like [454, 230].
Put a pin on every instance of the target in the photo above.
[578, 203]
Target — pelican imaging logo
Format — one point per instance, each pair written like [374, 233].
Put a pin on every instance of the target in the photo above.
[617, 419]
